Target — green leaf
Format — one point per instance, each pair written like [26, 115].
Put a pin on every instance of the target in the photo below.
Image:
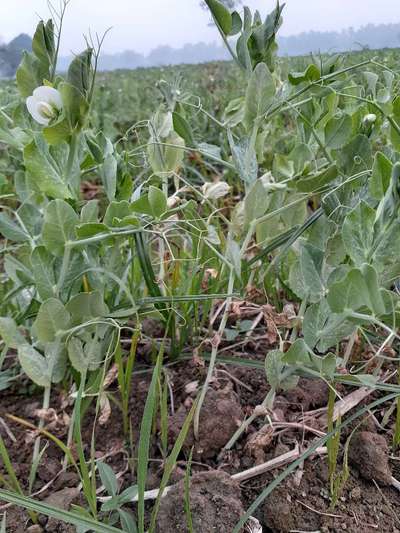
[58, 132]
[358, 289]
[80, 72]
[297, 354]
[338, 131]
[358, 234]
[315, 182]
[34, 365]
[157, 201]
[274, 367]
[30, 74]
[43, 170]
[10, 333]
[128, 495]
[380, 178]
[245, 158]
[142, 205]
[311, 265]
[356, 156]
[76, 519]
[76, 355]
[75, 104]
[108, 478]
[84, 231]
[117, 210]
[35, 67]
[59, 225]
[43, 45]
[43, 272]
[108, 174]
[233, 255]
[127, 521]
[86, 305]
[323, 329]
[56, 357]
[166, 155]
[10, 230]
[257, 200]
[90, 212]
[52, 319]
[144, 440]
[221, 15]
[312, 73]
[395, 137]
[87, 354]
[259, 94]
[183, 129]
[170, 463]
[14, 137]
[236, 23]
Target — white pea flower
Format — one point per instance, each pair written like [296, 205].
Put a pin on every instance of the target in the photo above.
[44, 105]
[369, 119]
[213, 191]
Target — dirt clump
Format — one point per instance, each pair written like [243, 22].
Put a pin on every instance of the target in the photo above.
[220, 417]
[309, 394]
[215, 505]
[369, 453]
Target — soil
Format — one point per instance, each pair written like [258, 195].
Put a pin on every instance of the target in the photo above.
[215, 431]
[215, 505]
[368, 503]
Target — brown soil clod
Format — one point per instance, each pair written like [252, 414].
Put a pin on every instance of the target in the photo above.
[369, 453]
[215, 505]
[220, 417]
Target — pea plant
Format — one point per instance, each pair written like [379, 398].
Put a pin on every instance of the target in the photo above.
[295, 193]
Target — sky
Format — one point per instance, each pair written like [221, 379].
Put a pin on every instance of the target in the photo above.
[142, 25]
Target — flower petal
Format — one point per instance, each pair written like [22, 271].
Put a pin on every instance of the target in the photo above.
[32, 105]
[49, 95]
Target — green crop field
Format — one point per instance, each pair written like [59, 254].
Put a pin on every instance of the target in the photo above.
[200, 290]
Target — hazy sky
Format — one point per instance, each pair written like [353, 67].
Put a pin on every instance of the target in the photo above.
[144, 24]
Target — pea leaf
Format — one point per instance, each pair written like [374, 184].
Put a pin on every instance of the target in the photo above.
[183, 129]
[221, 15]
[10, 230]
[323, 329]
[56, 357]
[157, 201]
[311, 73]
[380, 178]
[52, 319]
[86, 305]
[360, 288]
[316, 181]
[245, 158]
[43, 272]
[59, 225]
[259, 94]
[43, 170]
[338, 131]
[10, 333]
[34, 365]
[358, 234]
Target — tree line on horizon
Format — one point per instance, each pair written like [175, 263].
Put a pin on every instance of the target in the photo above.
[369, 36]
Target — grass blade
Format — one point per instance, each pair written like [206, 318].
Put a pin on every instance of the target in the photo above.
[144, 442]
[171, 462]
[65, 516]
